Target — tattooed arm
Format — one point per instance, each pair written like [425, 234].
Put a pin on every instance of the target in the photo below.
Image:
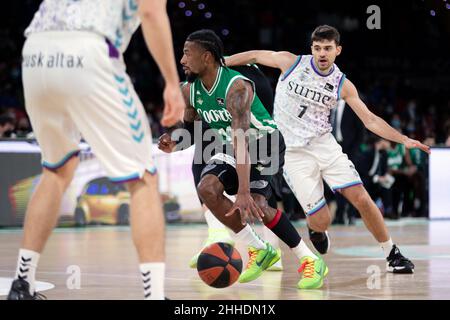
[239, 99]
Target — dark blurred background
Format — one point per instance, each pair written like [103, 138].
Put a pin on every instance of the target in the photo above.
[401, 70]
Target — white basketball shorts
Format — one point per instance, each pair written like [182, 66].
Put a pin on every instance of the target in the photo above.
[305, 167]
[75, 85]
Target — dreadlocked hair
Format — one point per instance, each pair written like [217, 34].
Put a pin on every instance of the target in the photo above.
[210, 41]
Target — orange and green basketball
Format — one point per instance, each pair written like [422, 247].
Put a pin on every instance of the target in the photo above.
[219, 265]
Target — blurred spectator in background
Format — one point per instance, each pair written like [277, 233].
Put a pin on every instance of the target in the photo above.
[23, 128]
[6, 126]
[349, 132]
[375, 174]
[417, 184]
[430, 140]
[396, 122]
[408, 92]
[402, 169]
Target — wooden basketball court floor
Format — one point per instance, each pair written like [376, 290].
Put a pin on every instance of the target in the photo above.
[107, 265]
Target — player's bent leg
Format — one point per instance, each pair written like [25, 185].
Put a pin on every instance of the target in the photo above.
[320, 220]
[43, 210]
[269, 236]
[274, 241]
[371, 215]
[146, 218]
[303, 175]
[312, 267]
[374, 222]
[273, 254]
[40, 219]
[210, 189]
[318, 224]
[147, 228]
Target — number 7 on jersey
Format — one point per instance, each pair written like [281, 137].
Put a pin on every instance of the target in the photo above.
[302, 111]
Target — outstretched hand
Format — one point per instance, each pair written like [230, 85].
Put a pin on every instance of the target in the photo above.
[411, 144]
[247, 208]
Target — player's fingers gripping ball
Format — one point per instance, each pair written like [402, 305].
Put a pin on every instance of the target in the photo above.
[219, 265]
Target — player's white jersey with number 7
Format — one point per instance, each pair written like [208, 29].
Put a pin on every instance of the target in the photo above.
[303, 100]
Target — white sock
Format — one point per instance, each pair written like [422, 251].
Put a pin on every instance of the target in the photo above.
[387, 247]
[271, 237]
[215, 227]
[26, 267]
[152, 274]
[302, 250]
[212, 221]
[248, 236]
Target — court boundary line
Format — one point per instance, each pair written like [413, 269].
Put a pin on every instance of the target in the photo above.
[114, 275]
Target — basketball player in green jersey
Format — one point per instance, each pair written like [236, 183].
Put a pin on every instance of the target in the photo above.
[226, 100]
[217, 232]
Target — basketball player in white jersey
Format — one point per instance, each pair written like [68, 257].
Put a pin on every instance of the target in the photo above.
[308, 88]
[75, 86]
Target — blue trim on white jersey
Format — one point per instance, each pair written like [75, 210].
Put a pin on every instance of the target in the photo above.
[347, 185]
[130, 177]
[341, 83]
[318, 72]
[289, 71]
[319, 206]
[152, 171]
[133, 176]
[63, 161]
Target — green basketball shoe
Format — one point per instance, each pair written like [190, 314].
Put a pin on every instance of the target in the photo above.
[258, 261]
[313, 273]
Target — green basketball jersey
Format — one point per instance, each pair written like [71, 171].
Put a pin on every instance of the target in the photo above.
[211, 106]
[396, 156]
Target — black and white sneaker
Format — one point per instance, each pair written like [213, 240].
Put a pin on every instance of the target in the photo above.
[320, 240]
[397, 263]
[20, 290]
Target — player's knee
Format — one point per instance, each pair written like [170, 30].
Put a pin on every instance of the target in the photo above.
[319, 226]
[63, 175]
[319, 223]
[260, 201]
[362, 200]
[208, 189]
[262, 204]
